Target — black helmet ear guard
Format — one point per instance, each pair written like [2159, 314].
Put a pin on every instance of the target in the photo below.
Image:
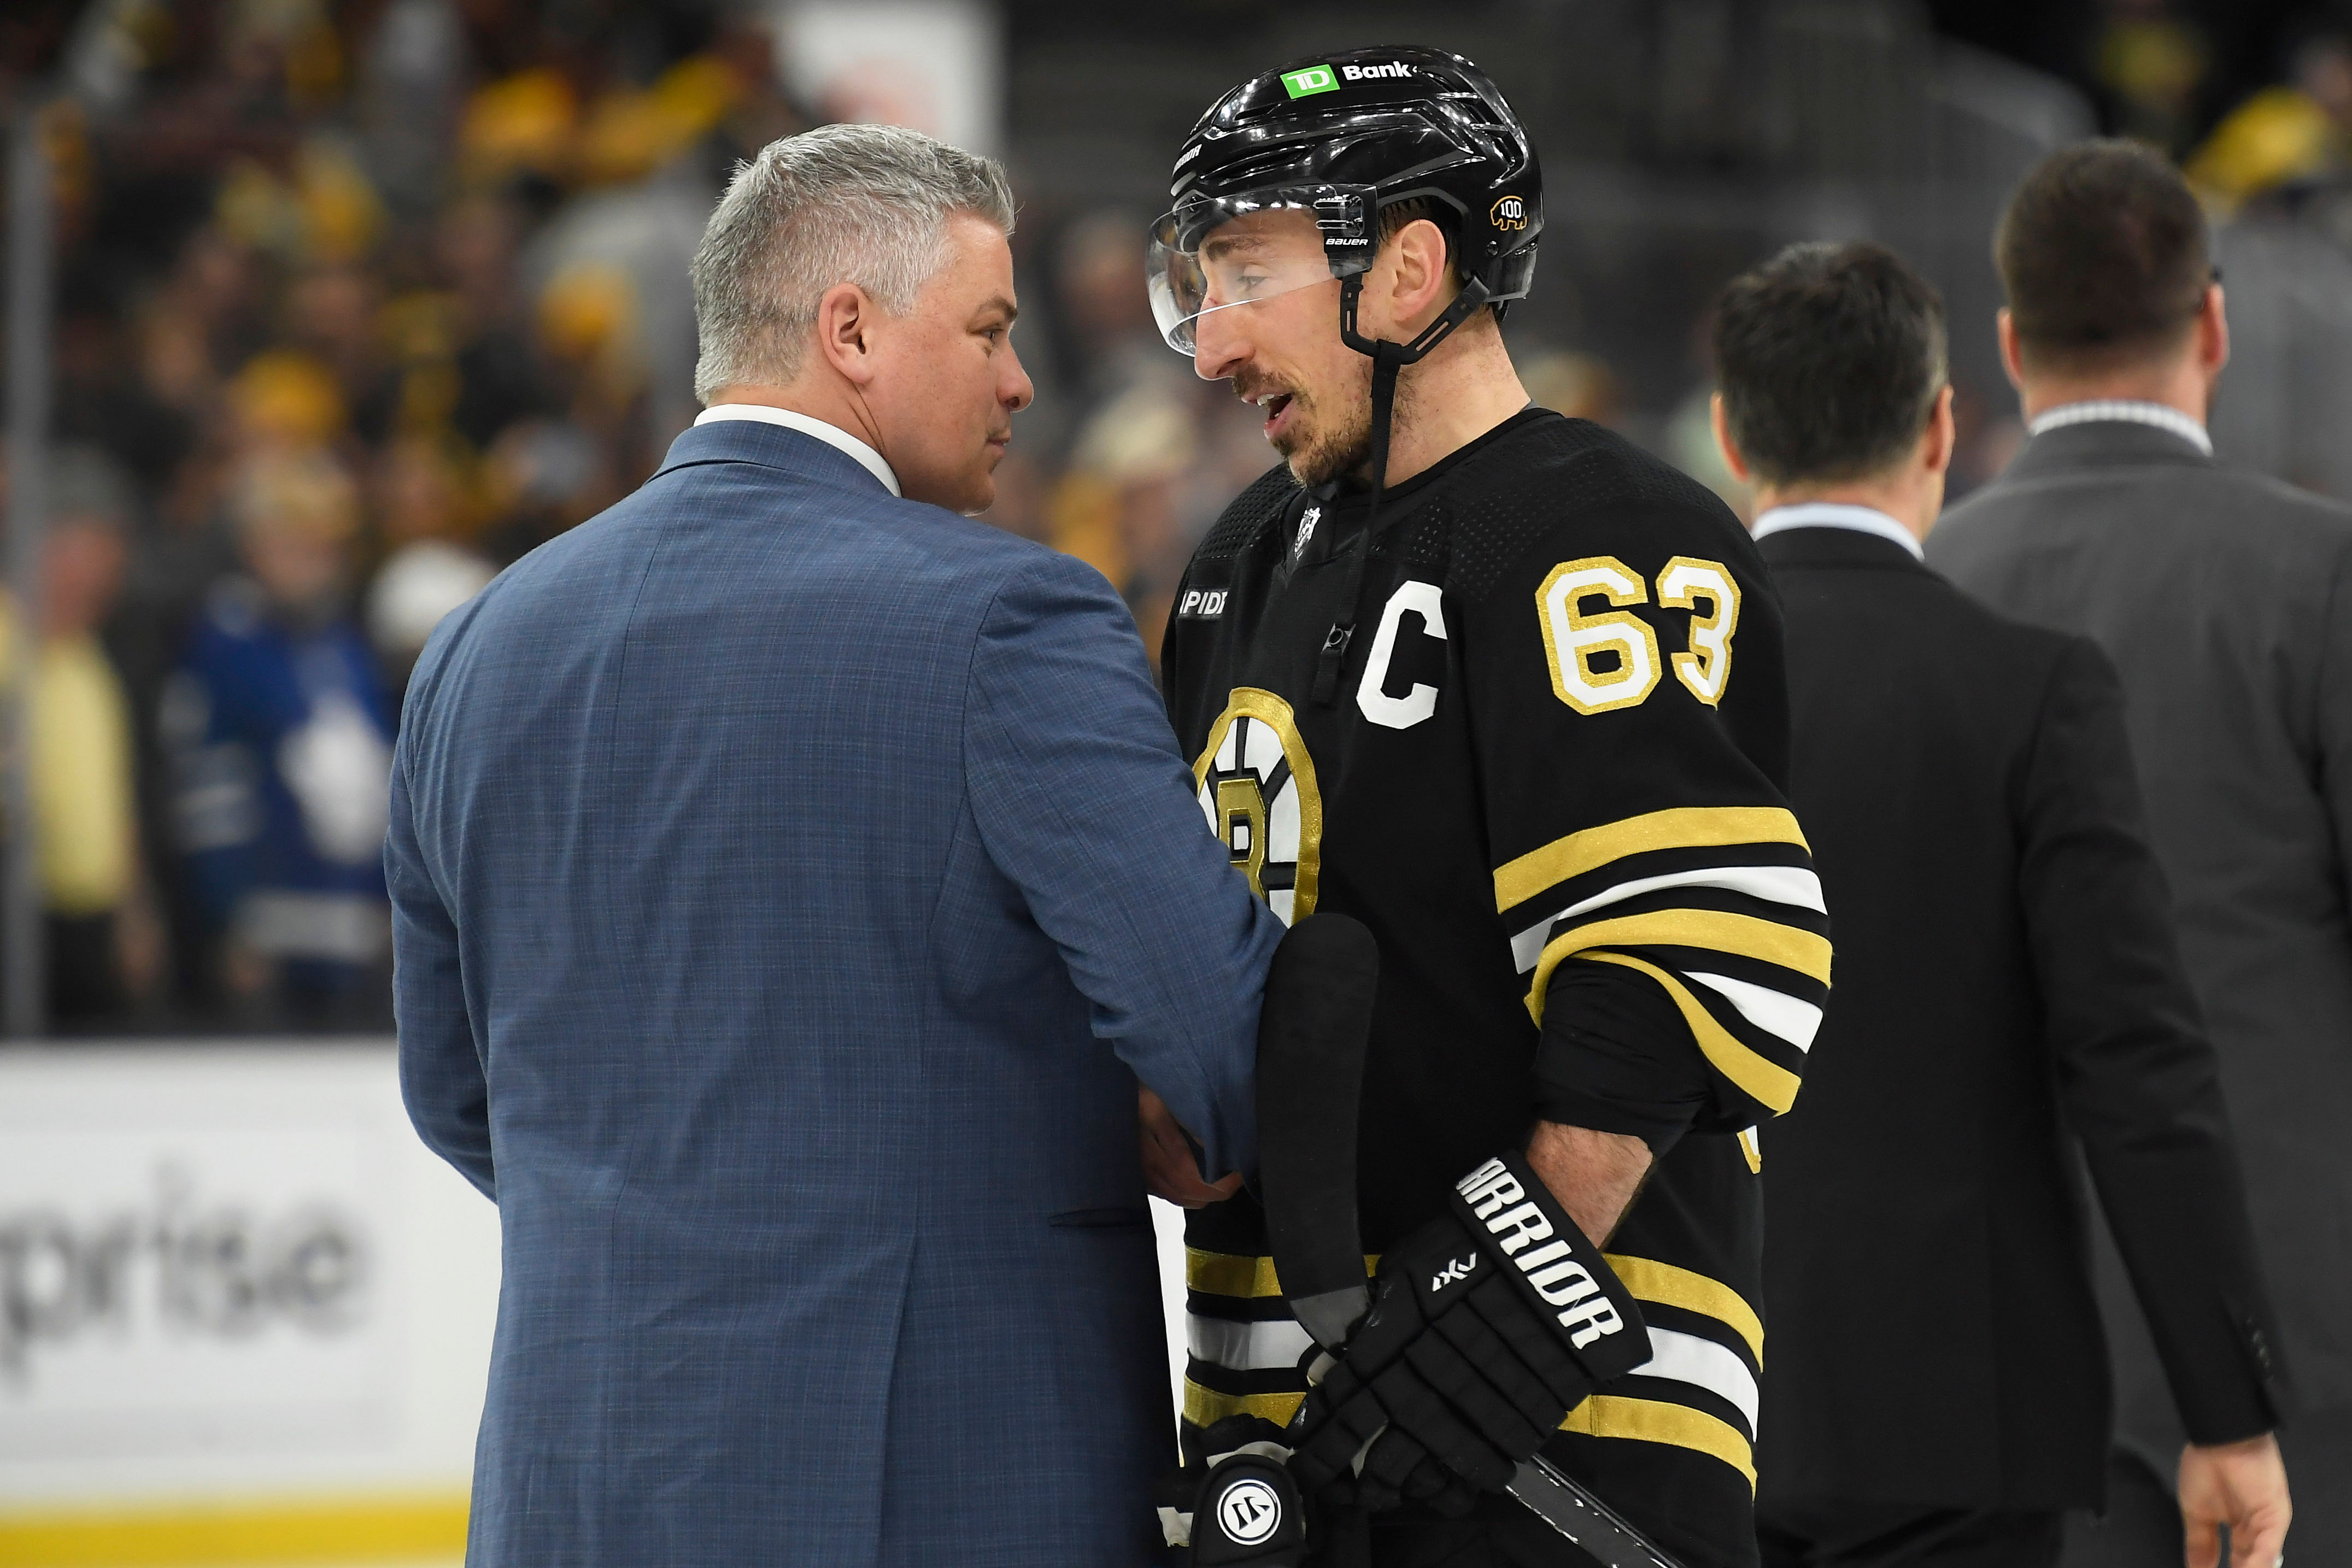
[1345, 137]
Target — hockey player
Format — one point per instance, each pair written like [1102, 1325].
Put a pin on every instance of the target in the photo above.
[1520, 710]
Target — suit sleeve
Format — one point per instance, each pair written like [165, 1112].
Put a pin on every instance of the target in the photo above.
[441, 1073]
[1083, 803]
[2138, 1079]
[1658, 894]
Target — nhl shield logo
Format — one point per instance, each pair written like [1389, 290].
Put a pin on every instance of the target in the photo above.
[1509, 214]
[1257, 788]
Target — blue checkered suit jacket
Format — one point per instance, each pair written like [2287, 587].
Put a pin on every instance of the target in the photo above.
[786, 879]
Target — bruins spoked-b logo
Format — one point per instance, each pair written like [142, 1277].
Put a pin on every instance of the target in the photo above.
[1509, 214]
[1258, 789]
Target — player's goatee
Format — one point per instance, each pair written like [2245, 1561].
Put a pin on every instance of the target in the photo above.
[1334, 438]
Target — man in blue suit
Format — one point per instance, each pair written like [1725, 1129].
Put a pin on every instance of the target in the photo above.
[792, 880]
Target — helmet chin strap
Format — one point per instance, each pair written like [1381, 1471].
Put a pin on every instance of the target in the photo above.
[1388, 358]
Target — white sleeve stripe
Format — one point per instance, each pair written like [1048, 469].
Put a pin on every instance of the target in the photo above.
[1777, 883]
[1702, 1363]
[1246, 1347]
[1774, 1012]
[1681, 1357]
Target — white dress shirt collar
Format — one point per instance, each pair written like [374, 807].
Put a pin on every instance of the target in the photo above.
[2129, 410]
[1834, 514]
[833, 435]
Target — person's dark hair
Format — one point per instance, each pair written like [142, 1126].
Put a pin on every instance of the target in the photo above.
[1830, 358]
[2103, 254]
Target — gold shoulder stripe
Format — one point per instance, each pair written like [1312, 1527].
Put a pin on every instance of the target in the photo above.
[1227, 1274]
[1789, 947]
[1654, 1421]
[1683, 827]
[1669, 1286]
[1768, 1083]
[1206, 1406]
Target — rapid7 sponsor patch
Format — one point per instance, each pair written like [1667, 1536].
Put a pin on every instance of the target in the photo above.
[1201, 604]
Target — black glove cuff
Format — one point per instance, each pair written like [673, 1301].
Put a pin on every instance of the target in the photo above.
[1248, 1511]
[1524, 1229]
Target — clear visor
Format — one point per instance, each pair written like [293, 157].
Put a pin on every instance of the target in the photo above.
[1215, 254]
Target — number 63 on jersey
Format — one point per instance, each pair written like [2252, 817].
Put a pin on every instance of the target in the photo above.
[1609, 659]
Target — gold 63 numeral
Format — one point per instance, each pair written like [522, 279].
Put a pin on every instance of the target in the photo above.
[1609, 659]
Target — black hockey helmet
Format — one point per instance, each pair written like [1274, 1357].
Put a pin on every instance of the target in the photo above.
[1343, 137]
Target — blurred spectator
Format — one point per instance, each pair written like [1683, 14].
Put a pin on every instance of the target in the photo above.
[1581, 386]
[2299, 131]
[474, 249]
[334, 316]
[281, 746]
[1114, 508]
[103, 937]
[103, 398]
[2149, 62]
[422, 510]
[1109, 343]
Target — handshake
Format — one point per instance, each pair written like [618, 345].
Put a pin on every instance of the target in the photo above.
[1484, 1327]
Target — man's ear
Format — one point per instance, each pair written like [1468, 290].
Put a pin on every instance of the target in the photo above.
[1419, 280]
[2212, 333]
[1731, 458]
[846, 318]
[2004, 327]
[1941, 436]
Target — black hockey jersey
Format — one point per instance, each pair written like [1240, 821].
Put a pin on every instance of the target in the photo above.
[1558, 739]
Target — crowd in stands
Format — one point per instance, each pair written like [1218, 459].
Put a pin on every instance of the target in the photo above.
[362, 301]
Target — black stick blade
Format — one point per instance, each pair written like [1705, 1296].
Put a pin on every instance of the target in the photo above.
[1312, 1034]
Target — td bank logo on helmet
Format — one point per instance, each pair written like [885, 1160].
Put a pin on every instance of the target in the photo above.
[1311, 79]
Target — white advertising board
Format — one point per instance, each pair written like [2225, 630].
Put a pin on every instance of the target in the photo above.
[244, 1315]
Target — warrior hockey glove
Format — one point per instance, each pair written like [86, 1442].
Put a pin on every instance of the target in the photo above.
[1248, 1515]
[1489, 1324]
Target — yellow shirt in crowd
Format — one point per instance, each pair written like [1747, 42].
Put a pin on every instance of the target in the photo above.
[81, 783]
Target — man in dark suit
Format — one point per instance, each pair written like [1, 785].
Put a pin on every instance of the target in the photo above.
[2225, 602]
[1935, 1391]
[793, 879]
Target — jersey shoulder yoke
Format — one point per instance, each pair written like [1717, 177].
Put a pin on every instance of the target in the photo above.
[1247, 517]
[1560, 475]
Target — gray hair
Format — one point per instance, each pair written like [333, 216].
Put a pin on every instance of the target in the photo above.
[866, 204]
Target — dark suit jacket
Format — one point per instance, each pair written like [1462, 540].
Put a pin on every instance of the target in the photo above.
[790, 883]
[2225, 602]
[2006, 976]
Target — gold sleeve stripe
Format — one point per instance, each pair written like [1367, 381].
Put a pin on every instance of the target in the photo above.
[1768, 1083]
[1206, 1406]
[1683, 827]
[1226, 1274]
[1654, 1421]
[1712, 930]
[1650, 1281]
